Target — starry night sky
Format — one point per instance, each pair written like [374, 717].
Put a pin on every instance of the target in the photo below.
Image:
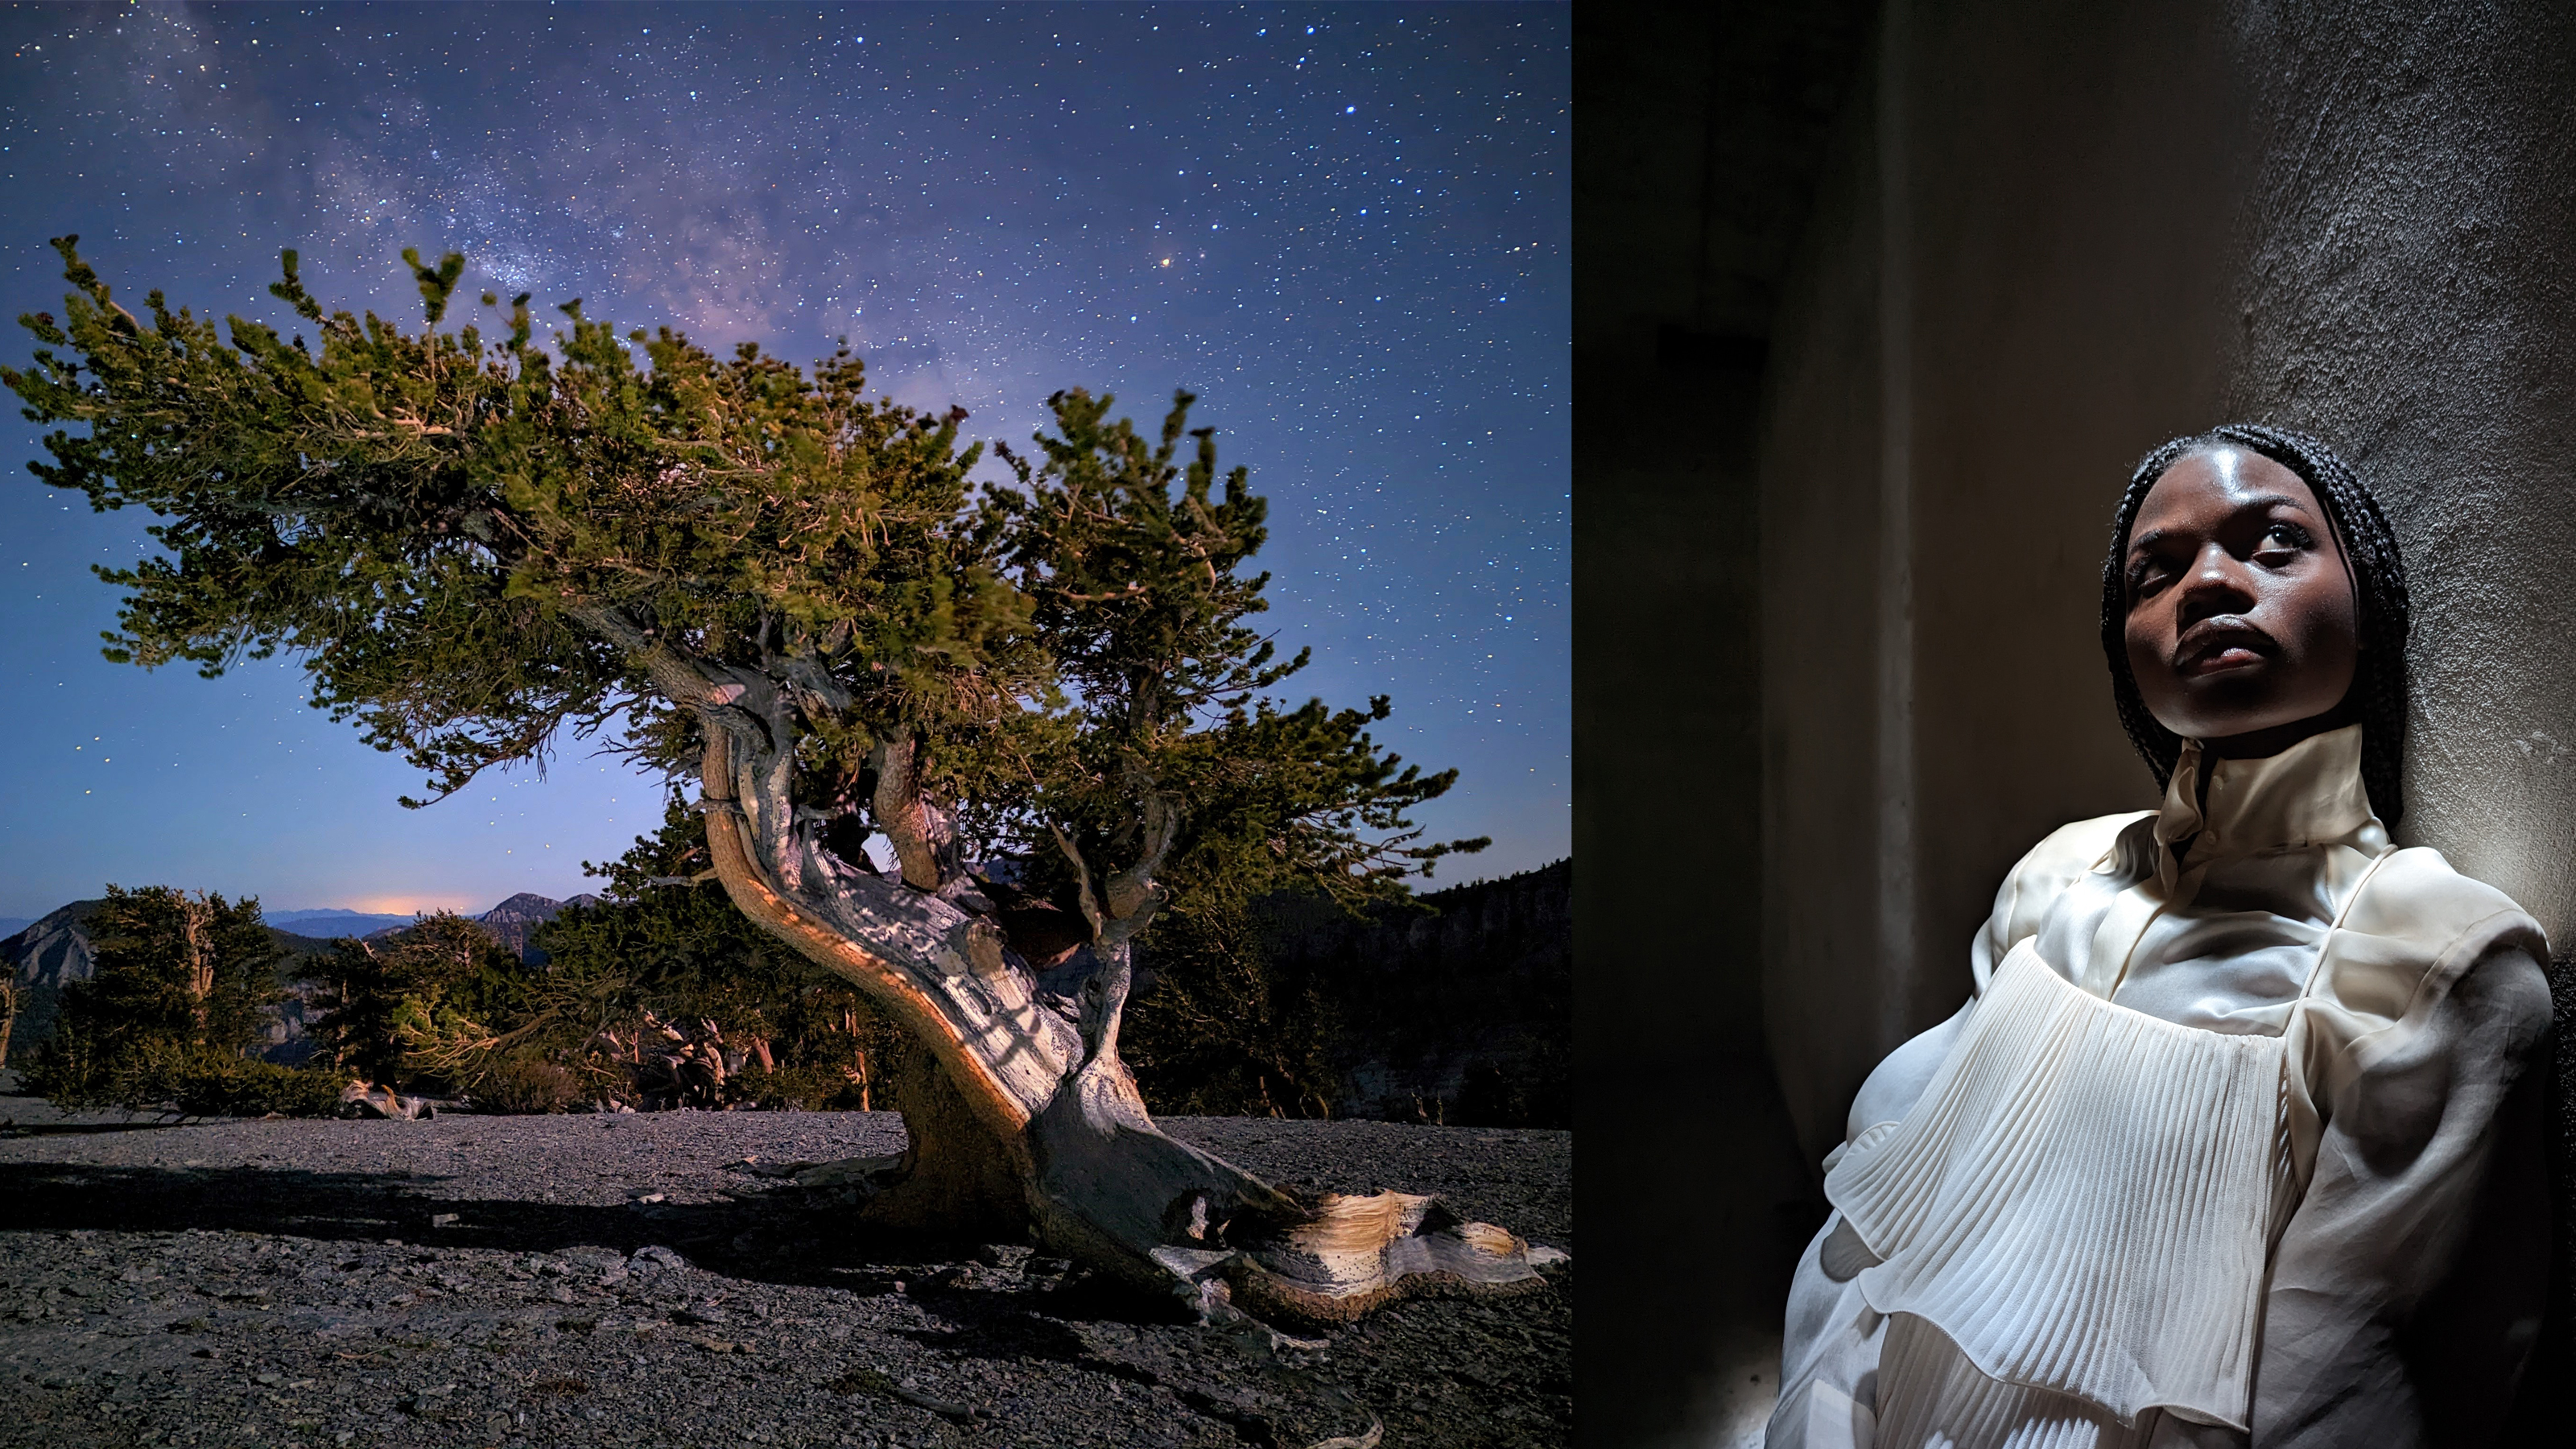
[1344, 228]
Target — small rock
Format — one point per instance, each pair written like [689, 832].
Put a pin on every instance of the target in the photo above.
[445, 1220]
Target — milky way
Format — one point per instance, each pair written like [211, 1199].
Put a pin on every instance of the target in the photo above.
[1344, 228]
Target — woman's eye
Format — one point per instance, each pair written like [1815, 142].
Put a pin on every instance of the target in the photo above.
[2283, 538]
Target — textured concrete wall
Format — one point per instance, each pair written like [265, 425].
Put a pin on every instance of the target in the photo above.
[2054, 236]
[2407, 255]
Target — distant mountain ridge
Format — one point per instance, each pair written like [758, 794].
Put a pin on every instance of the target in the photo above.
[326, 924]
[517, 918]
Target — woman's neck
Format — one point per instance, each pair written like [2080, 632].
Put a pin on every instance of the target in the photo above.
[2256, 744]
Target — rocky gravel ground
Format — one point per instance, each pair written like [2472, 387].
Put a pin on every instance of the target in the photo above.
[630, 1280]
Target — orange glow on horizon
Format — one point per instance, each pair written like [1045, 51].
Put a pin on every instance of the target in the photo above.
[412, 905]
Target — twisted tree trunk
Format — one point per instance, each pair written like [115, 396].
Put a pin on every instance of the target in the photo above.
[1032, 1124]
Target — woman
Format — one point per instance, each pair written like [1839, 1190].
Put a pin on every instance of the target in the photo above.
[2225, 1146]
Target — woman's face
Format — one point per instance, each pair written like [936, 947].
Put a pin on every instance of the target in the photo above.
[2243, 629]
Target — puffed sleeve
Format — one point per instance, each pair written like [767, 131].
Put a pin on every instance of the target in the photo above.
[2035, 881]
[2408, 1284]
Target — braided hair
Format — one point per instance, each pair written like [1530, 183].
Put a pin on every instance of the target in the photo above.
[2378, 696]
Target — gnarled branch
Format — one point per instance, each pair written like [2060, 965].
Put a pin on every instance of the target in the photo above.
[924, 844]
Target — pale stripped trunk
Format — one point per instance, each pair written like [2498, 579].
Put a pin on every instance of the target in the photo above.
[200, 963]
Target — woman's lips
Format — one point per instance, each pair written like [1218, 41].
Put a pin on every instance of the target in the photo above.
[2234, 656]
[2215, 646]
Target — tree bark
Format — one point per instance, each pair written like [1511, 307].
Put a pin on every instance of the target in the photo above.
[1027, 1123]
[953, 1177]
[193, 916]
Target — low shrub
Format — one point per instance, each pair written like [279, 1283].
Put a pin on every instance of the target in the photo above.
[811, 1087]
[67, 1079]
[211, 1086]
[527, 1084]
[199, 1083]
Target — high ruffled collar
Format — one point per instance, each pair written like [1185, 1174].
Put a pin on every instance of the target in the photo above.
[2308, 794]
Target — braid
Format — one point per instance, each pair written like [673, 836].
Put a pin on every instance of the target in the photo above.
[2379, 580]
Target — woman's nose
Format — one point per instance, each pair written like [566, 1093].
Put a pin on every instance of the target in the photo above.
[2215, 585]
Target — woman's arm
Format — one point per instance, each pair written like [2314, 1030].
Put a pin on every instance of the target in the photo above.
[2408, 1284]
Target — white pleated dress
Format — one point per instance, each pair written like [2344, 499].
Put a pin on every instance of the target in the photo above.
[2239, 1038]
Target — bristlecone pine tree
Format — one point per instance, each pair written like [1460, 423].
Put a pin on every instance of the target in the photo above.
[755, 575]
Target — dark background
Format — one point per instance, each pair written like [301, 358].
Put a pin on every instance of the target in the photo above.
[1701, 130]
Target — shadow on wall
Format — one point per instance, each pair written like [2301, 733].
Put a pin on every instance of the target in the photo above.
[1702, 131]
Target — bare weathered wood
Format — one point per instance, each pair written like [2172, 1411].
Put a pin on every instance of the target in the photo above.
[9, 1005]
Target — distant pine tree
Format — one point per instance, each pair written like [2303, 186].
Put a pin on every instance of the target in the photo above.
[410, 1011]
[176, 1005]
[1227, 1026]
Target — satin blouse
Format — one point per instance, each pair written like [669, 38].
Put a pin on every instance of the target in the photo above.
[2405, 1288]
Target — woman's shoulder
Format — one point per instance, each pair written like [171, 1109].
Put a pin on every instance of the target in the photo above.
[2426, 960]
[2415, 925]
[2073, 849]
[2046, 870]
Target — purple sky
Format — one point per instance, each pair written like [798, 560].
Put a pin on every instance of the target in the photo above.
[1345, 228]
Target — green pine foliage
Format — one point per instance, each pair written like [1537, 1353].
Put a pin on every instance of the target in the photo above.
[175, 1008]
[431, 518]
[410, 1011]
[424, 515]
[1131, 559]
